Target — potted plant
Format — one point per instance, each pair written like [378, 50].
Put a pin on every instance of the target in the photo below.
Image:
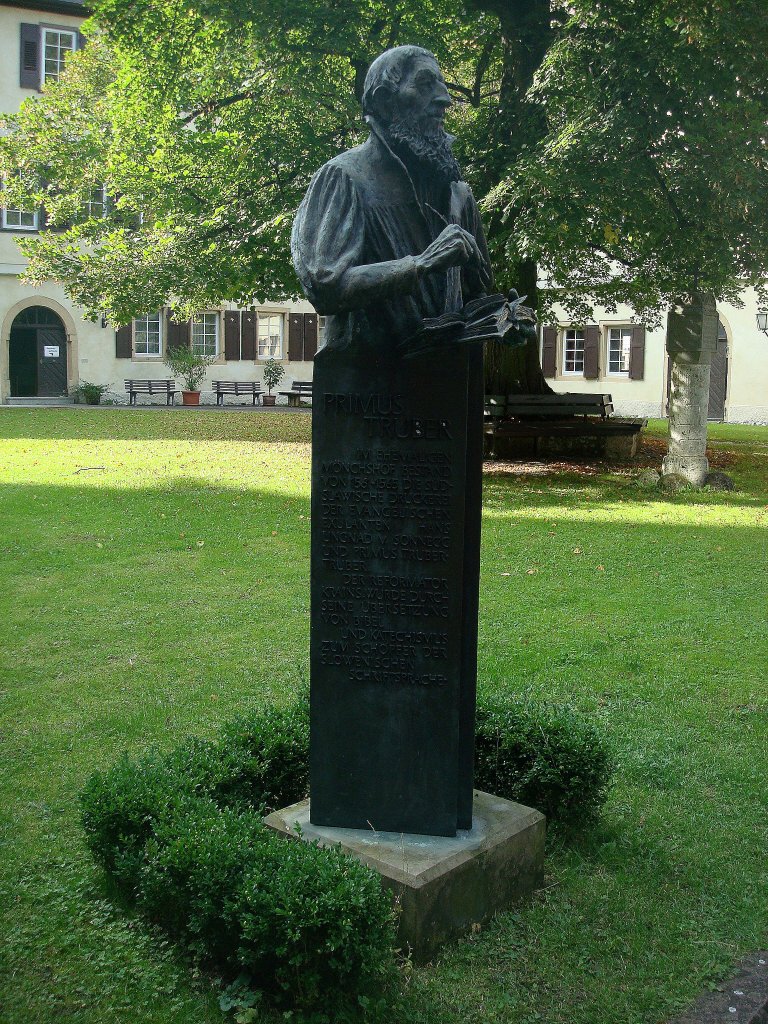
[90, 394]
[273, 374]
[191, 367]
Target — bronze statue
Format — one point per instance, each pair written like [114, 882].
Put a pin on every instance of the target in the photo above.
[388, 235]
[389, 246]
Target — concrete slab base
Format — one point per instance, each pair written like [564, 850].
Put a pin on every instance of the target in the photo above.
[743, 999]
[442, 886]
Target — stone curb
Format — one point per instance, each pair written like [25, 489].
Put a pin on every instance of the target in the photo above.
[744, 999]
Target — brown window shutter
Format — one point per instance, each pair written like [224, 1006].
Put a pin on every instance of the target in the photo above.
[637, 353]
[591, 352]
[232, 335]
[549, 352]
[124, 342]
[310, 336]
[177, 335]
[296, 337]
[248, 336]
[29, 65]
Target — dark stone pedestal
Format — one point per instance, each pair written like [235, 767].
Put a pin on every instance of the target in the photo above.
[396, 494]
[442, 885]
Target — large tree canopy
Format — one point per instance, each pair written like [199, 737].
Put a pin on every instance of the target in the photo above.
[205, 122]
[633, 170]
[652, 181]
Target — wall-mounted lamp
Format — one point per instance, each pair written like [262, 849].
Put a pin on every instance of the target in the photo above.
[103, 320]
[762, 320]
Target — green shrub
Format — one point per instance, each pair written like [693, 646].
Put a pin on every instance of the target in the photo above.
[268, 757]
[182, 834]
[192, 875]
[346, 935]
[546, 756]
[303, 922]
[119, 809]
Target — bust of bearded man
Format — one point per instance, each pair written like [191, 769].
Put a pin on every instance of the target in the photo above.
[388, 234]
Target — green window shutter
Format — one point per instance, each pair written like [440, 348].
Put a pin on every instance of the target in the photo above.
[124, 342]
[232, 335]
[310, 336]
[591, 352]
[29, 64]
[549, 351]
[249, 323]
[637, 353]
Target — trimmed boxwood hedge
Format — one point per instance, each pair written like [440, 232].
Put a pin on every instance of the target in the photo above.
[546, 756]
[181, 835]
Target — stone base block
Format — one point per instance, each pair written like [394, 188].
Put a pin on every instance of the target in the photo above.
[442, 886]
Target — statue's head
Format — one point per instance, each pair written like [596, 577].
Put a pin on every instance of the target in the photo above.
[406, 94]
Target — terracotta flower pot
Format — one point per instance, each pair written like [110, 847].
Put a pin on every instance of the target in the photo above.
[190, 398]
[268, 400]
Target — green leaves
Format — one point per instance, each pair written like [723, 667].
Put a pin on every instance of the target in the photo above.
[655, 127]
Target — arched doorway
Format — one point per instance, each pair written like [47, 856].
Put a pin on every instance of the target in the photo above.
[37, 354]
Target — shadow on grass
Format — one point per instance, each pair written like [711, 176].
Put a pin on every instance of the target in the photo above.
[156, 423]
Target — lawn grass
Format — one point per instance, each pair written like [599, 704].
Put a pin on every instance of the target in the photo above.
[154, 581]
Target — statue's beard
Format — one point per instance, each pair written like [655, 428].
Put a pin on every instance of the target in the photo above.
[428, 143]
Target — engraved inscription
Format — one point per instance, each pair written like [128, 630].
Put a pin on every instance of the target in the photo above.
[386, 535]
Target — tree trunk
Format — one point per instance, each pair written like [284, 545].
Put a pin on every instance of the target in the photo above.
[526, 36]
[691, 343]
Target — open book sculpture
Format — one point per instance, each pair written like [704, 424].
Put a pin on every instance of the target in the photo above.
[489, 318]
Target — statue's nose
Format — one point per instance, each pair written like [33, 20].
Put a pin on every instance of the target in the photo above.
[442, 97]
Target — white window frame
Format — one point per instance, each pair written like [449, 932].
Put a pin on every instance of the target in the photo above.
[267, 315]
[146, 319]
[45, 30]
[89, 204]
[206, 321]
[15, 211]
[623, 330]
[576, 334]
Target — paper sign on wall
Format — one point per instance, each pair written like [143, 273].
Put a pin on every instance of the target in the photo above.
[51, 351]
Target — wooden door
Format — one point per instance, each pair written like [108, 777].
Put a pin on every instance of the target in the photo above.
[51, 362]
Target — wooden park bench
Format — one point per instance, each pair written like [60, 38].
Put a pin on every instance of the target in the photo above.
[151, 387]
[562, 416]
[237, 387]
[299, 389]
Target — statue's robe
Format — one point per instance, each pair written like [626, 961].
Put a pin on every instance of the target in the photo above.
[362, 220]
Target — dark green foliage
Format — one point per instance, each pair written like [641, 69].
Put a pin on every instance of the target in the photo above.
[182, 835]
[260, 762]
[268, 755]
[119, 810]
[546, 756]
[303, 922]
[346, 934]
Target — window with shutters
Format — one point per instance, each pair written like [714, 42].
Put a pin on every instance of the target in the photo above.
[320, 331]
[573, 351]
[270, 343]
[148, 335]
[619, 348]
[205, 334]
[57, 43]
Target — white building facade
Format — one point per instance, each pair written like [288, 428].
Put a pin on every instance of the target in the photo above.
[47, 349]
[616, 356]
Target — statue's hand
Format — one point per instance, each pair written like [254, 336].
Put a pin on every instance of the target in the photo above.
[453, 247]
